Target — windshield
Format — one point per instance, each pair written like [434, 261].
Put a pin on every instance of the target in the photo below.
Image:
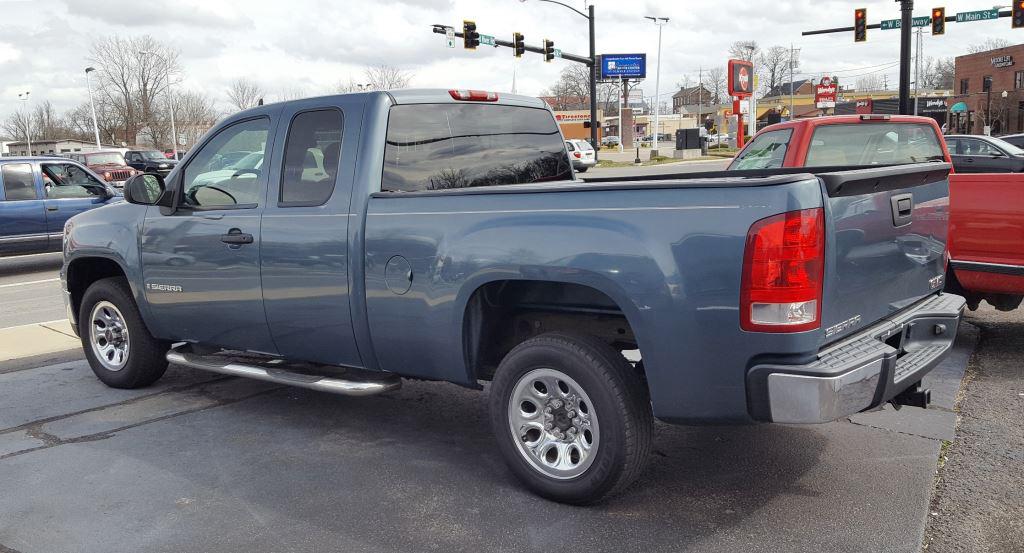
[107, 158]
[766, 151]
[251, 161]
[884, 143]
[153, 155]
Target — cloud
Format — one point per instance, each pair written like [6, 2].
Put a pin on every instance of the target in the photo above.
[149, 13]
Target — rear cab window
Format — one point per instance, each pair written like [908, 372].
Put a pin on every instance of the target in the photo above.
[886, 143]
[18, 182]
[447, 146]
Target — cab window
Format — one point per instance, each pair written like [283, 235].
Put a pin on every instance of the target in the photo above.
[873, 144]
[214, 178]
[65, 180]
[18, 184]
[766, 151]
[311, 157]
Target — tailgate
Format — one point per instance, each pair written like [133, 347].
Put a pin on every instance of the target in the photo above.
[886, 244]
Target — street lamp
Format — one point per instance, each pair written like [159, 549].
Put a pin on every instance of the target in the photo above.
[593, 73]
[92, 104]
[660, 22]
[170, 100]
[28, 121]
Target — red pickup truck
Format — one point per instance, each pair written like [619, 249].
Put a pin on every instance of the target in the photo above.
[986, 211]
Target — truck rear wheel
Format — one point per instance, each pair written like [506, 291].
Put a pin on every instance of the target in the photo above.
[572, 417]
[119, 347]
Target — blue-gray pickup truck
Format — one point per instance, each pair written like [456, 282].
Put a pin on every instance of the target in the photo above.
[442, 235]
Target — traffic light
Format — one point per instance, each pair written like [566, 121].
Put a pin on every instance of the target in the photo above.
[518, 44]
[1017, 14]
[860, 24]
[549, 48]
[939, 21]
[470, 38]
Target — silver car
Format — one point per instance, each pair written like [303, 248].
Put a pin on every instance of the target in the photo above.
[582, 154]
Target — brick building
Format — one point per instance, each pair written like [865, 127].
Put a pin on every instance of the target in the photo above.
[988, 89]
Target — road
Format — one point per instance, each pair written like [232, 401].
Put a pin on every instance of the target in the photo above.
[201, 462]
[30, 289]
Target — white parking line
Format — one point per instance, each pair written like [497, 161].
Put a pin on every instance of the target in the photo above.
[30, 282]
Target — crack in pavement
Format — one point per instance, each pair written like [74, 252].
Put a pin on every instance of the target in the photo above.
[7, 549]
[34, 430]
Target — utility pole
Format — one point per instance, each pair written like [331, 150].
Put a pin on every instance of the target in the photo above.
[622, 93]
[906, 27]
[660, 22]
[792, 56]
[92, 104]
[170, 102]
[917, 71]
[28, 121]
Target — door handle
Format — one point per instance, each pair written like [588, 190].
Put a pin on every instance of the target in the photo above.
[52, 208]
[236, 236]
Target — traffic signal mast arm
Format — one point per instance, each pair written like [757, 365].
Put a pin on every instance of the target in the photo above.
[440, 29]
[879, 25]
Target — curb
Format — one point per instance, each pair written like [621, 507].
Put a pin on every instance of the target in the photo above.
[37, 343]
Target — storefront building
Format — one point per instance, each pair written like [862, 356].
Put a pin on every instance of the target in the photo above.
[989, 92]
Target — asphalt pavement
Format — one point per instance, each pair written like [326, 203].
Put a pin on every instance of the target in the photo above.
[30, 290]
[207, 463]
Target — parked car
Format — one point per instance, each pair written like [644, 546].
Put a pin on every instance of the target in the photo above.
[986, 211]
[449, 241]
[169, 154]
[150, 161]
[610, 141]
[110, 164]
[38, 195]
[582, 154]
[984, 154]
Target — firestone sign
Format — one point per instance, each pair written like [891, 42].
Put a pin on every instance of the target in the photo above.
[826, 92]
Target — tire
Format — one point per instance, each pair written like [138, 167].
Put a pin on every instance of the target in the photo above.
[582, 169]
[602, 386]
[129, 358]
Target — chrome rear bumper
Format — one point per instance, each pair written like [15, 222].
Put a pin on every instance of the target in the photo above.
[865, 370]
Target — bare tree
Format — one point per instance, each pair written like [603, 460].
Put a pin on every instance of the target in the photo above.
[244, 93]
[131, 74]
[989, 44]
[387, 77]
[291, 93]
[715, 81]
[870, 82]
[572, 90]
[195, 114]
[941, 74]
[18, 125]
[773, 65]
[744, 50]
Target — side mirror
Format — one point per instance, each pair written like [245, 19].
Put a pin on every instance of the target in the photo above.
[146, 189]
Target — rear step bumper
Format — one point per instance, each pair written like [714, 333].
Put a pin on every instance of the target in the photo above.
[350, 382]
[863, 371]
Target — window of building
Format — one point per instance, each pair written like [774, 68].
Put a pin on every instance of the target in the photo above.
[1018, 79]
[445, 146]
[986, 83]
[311, 158]
[965, 86]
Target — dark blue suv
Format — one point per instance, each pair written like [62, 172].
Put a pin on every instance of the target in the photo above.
[38, 195]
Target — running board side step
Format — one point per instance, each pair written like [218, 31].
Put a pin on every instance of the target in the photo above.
[348, 382]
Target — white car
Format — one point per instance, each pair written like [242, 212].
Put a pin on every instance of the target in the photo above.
[582, 154]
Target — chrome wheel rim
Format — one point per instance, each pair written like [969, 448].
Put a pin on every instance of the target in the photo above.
[553, 424]
[108, 335]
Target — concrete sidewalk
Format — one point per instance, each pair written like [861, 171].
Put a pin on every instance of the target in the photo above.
[37, 344]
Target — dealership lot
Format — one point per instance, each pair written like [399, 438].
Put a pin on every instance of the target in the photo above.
[201, 462]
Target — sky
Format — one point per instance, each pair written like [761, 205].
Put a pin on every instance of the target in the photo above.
[308, 46]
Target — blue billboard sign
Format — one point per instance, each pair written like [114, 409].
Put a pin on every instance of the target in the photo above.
[626, 66]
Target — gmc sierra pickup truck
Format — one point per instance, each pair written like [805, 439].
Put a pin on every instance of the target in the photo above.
[986, 211]
[447, 239]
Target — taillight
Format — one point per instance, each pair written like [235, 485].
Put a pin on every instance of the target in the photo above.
[578, 155]
[474, 95]
[783, 268]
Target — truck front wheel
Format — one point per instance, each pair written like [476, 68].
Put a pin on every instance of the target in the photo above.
[120, 349]
[571, 416]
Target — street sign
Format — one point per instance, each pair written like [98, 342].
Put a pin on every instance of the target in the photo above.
[487, 40]
[449, 36]
[825, 93]
[890, 24]
[982, 15]
[741, 78]
[626, 66]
